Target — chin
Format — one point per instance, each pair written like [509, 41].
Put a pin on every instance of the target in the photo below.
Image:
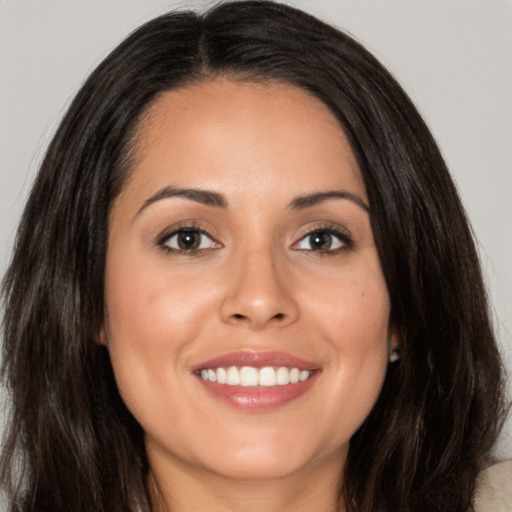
[257, 466]
[277, 457]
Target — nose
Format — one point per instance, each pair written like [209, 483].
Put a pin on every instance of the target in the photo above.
[258, 293]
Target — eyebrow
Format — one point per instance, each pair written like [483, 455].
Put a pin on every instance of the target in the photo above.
[302, 202]
[205, 197]
[210, 198]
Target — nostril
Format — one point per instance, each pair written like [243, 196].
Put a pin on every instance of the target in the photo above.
[279, 316]
[238, 316]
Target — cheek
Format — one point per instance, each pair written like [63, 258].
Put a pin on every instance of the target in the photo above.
[354, 312]
[359, 330]
[152, 317]
[353, 317]
[150, 306]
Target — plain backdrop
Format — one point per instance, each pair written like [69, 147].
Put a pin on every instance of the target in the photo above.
[454, 58]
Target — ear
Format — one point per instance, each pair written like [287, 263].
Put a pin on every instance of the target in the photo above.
[103, 330]
[102, 336]
[394, 345]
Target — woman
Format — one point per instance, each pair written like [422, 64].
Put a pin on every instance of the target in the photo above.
[244, 280]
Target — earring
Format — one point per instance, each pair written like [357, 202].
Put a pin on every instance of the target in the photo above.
[394, 353]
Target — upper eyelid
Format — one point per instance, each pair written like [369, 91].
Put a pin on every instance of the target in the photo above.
[184, 226]
[342, 233]
[163, 242]
[333, 229]
[166, 236]
[190, 225]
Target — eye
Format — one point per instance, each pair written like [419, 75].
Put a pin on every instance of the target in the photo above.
[188, 240]
[324, 240]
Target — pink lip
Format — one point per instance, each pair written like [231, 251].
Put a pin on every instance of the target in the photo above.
[257, 360]
[256, 398]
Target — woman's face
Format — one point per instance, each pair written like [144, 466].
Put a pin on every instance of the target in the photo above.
[247, 314]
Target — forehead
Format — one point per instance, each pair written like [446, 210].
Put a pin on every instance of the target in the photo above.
[250, 132]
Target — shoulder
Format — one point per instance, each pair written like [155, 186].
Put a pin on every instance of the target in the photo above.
[494, 488]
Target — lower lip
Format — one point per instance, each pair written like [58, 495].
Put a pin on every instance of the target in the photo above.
[258, 398]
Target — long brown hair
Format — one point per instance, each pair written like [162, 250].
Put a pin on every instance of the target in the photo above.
[71, 444]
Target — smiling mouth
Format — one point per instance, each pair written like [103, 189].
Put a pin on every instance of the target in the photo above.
[257, 380]
[268, 376]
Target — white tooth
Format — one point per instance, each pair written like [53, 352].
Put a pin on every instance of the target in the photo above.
[304, 374]
[233, 376]
[294, 375]
[267, 376]
[248, 376]
[283, 376]
[221, 376]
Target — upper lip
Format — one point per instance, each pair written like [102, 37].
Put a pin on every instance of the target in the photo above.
[256, 360]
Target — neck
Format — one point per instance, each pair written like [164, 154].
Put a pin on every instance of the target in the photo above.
[186, 490]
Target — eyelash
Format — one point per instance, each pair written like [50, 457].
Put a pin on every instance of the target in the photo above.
[164, 239]
[342, 235]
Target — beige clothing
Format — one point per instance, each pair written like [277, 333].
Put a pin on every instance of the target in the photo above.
[494, 490]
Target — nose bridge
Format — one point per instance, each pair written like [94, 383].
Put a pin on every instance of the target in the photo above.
[259, 291]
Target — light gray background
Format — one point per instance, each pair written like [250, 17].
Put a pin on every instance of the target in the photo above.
[452, 56]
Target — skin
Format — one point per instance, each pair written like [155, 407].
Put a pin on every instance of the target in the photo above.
[255, 285]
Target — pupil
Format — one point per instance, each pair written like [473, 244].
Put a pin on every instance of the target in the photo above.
[320, 241]
[188, 240]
